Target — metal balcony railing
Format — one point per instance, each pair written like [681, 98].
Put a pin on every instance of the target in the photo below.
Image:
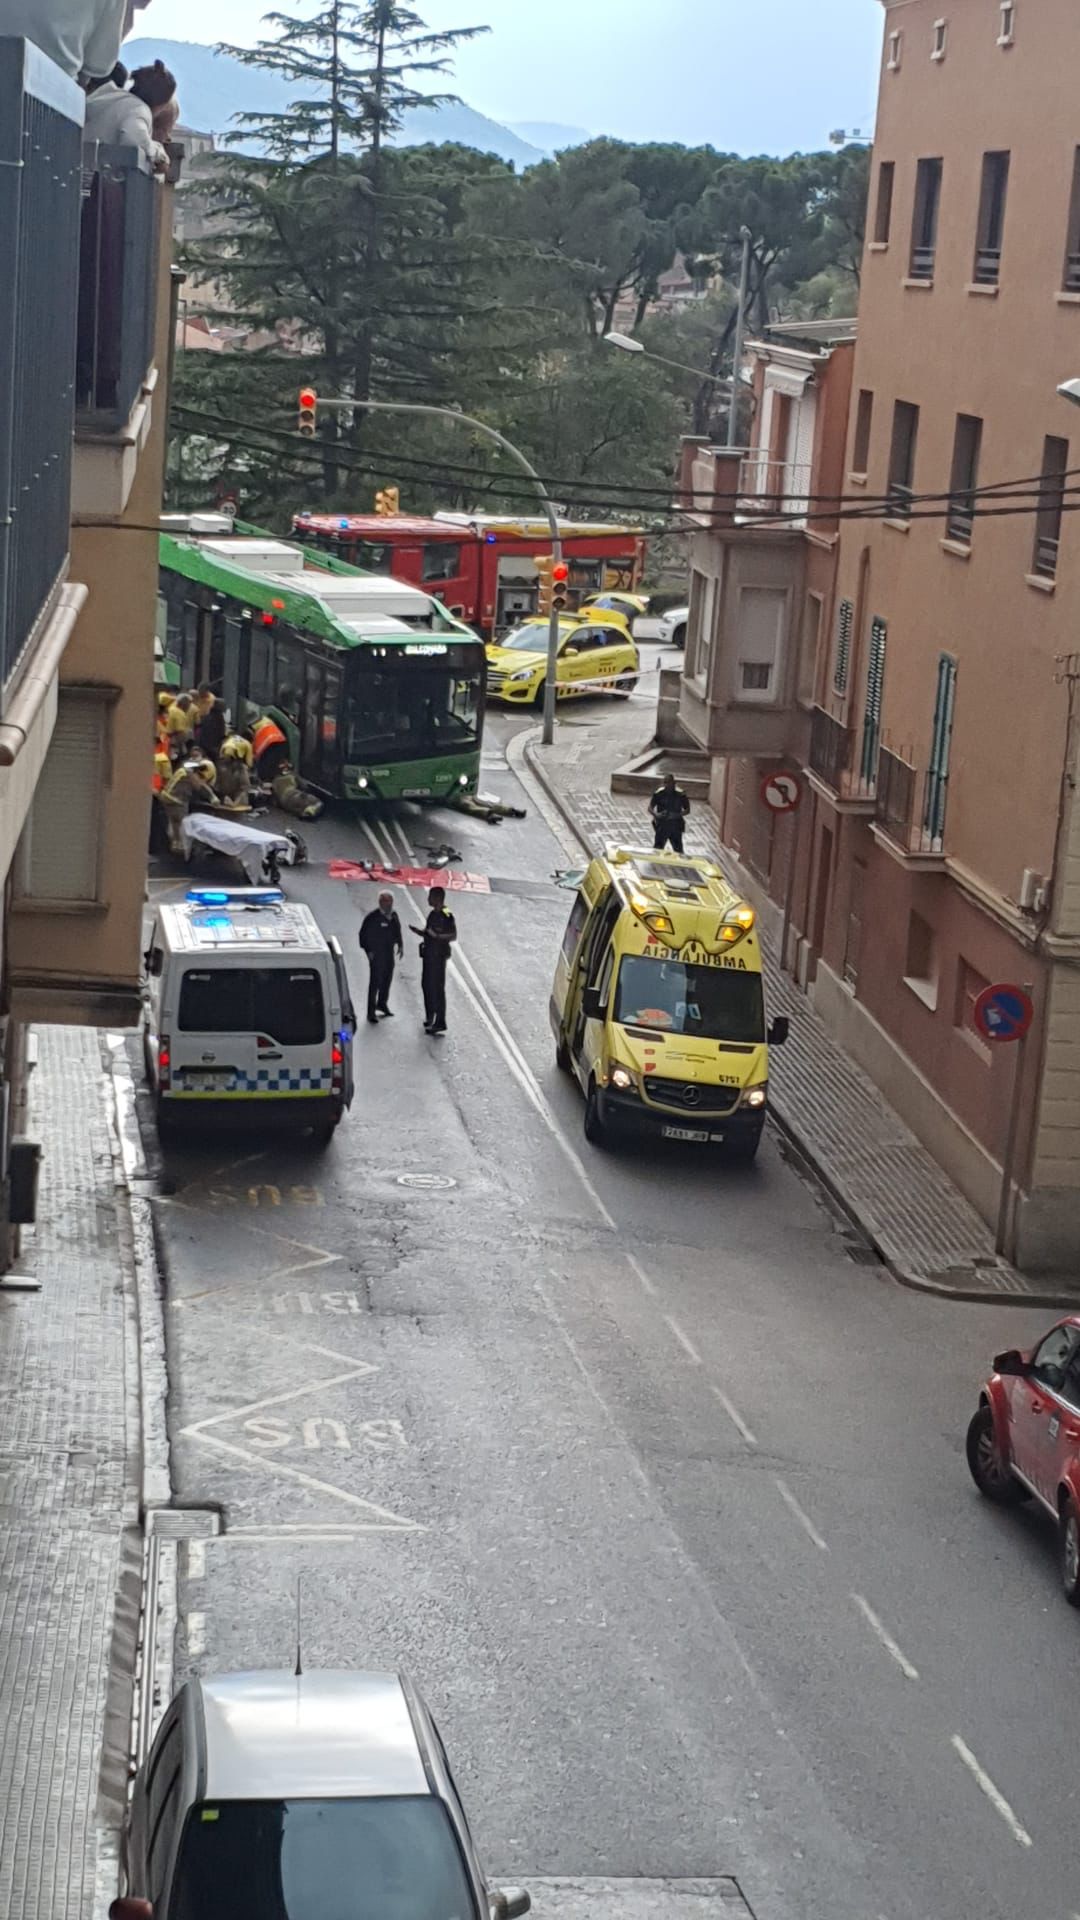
[40, 148]
[117, 284]
[773, 485]
[899, 500]
[911, 807]
[1045, 561]
[988, 266]
[832, 758]
[922, 263]
[1072, 273]
[960, 520]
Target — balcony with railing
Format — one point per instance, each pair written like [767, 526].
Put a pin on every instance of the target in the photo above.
[988, 266]
[117, 285]
[773, 486]
[832, 762]
[910, 810]
[960, 519]
[40, 186]
[922, 263]
[1045, 558]
[1071, 281]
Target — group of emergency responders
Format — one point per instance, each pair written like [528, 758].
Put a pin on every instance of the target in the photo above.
[201, 761]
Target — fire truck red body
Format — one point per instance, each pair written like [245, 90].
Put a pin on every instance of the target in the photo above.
[483, 568]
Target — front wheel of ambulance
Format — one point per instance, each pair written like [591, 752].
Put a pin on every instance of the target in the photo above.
[595, 1131]
[562, 1057]
[323, 1132]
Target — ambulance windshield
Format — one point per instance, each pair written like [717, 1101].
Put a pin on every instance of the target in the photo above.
[702, 1002]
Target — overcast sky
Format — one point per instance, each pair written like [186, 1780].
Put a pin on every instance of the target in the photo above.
[750, 76]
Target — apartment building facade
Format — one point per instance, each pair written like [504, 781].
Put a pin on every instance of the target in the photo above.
[85, 331]
[943, 851]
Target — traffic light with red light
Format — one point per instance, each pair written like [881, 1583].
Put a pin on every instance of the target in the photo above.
[308, 402]
[560, 585]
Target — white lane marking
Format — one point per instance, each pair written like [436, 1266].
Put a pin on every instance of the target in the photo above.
[883, 1634]
[636, 1267]
[733, 1414]
[196, 1559]
[358, 1371]
[997, 1800]
[384, 852]
[195, 1633]
[383, 1522]
[406, 849]
[553, 1313]
[683, 1339]
[803, 1519]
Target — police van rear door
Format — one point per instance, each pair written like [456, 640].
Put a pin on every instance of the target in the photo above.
[247, 1031]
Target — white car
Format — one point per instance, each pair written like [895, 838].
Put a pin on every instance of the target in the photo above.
[673, 627]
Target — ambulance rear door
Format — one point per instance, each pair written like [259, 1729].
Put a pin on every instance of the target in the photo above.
[253, 1029]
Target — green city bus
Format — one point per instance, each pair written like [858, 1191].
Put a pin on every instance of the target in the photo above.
[378, 689]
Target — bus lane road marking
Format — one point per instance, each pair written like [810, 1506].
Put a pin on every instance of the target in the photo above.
[996, 1798]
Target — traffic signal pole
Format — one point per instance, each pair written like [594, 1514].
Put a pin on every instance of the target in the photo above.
[480, 426]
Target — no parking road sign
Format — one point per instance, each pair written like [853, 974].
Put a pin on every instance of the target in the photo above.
[1004, 1012]
[780, 792]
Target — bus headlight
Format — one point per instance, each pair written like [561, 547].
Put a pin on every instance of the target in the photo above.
[622, 1078]
[362, 782]
[463, 779]
[754, 1097]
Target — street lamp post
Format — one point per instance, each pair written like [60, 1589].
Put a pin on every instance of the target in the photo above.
[626, 343]
[480, 426]
[740, 334]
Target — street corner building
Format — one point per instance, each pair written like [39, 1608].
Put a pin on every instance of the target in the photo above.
[885, 599]
[85, 299]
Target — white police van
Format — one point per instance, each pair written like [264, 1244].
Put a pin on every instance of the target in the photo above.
[249, 1014]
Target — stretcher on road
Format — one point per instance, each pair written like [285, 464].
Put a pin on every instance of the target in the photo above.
[261, 855]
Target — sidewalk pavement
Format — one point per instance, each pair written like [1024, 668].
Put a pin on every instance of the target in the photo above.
[874, 1168]
[71, 1552]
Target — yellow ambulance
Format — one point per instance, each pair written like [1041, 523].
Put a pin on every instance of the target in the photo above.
[658, 1008]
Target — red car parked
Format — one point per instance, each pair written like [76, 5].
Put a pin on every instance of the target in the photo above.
[1024, 1440]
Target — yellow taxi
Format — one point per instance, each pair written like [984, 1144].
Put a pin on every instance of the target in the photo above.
[596, 655]
[658, 1003]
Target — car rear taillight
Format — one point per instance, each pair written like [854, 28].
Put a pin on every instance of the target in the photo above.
[337, 1061]
[164, 1062]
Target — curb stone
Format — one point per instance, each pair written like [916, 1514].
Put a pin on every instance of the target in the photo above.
[527, 763]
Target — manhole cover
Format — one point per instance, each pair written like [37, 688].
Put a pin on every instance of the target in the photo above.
[427, 1182]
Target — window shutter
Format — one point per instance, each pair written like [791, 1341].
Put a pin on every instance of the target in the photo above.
[875, 681]
[845, 616]
[63, 831]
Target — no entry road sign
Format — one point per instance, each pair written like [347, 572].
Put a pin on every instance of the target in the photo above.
[1004, 1012]
[780, 792]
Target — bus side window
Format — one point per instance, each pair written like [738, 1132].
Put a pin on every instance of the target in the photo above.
[260, 688]
[579, 913]
[607, 968]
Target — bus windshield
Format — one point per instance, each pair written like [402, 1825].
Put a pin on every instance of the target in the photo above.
[408, 712]
[705, 1003]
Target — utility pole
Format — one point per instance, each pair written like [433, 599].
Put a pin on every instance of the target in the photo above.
[746, 237]
[480, 426]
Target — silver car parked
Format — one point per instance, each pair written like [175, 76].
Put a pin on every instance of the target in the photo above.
[319, 1796]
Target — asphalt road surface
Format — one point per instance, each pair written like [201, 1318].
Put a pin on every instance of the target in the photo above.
[657, 1489]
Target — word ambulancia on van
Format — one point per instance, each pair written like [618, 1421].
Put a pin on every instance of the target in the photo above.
[249, 1014]
[658, 1006]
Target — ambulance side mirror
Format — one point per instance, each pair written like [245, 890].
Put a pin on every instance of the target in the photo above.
[779, 1030]
[591, 1004]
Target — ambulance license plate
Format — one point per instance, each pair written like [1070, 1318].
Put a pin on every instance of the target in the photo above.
[685, 1133]
[207, 1082]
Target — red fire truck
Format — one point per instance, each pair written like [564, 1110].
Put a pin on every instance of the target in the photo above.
[482, 567]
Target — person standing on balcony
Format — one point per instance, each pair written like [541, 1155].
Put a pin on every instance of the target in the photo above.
[81, 36]
[669, 807]
[123, 116]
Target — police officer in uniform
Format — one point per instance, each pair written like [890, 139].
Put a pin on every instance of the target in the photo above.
[437, 936]
[380, 938]
[669, 807]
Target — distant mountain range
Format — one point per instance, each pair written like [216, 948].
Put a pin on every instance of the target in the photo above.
[212, 88]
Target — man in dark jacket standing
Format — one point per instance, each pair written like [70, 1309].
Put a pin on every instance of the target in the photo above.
[437, 936]
[669, 807]
[380, 938]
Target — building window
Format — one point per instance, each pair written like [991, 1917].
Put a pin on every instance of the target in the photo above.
[864, 420]
[969, 984]
[60, 850]
[991, 227]
[809, 642]
[883, 208]
[845, 616]
[1007, 26]
[703, 596]
[924, 223]
[1055, 462]
[940, 41]
[921, 966]
[895, 51]
[967, 443]
[875, 686]
[853, 942]
[905, 438]
[762, 614]
[937, 774]
[1071, 276]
